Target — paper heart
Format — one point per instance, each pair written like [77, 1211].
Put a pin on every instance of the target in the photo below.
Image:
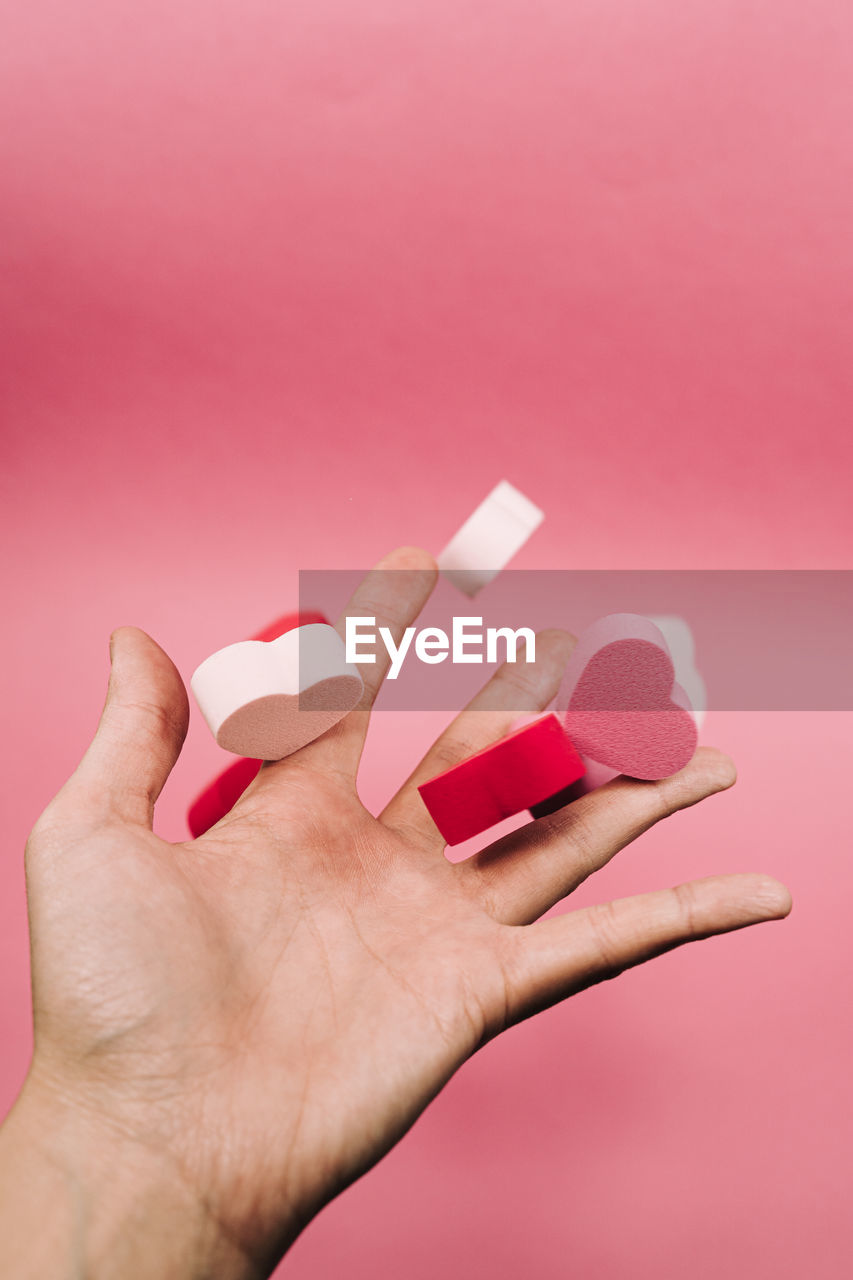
[620, 703]
[220, 795]
[269, 698]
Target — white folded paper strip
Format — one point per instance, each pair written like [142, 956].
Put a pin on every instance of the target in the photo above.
[489, 538]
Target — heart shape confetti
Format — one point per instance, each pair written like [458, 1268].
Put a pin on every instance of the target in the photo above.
[620, 703]
[220, 795]
[267, 699]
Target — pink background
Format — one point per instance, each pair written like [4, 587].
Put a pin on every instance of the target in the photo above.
[285, 285]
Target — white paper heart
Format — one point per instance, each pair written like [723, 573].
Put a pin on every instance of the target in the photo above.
[266, 699]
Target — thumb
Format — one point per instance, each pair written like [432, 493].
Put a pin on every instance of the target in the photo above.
[141, 730]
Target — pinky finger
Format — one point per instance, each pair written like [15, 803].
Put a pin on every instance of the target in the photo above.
[554, 958]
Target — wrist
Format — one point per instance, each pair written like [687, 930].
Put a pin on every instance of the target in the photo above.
[78, 1196]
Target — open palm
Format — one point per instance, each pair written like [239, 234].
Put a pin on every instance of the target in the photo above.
[272, 1005]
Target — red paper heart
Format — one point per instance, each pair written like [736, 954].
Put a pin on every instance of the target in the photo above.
[620, 703]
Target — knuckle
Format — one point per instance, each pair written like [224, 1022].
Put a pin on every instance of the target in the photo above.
[606, 935]
[519, 679]
[578, 830]
[685, 896]
[581, 833]
[160, 721]
[667, 796]
[450, 751]
[388, 612]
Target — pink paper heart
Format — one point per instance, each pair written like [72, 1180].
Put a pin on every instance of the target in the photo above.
[620, 703]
